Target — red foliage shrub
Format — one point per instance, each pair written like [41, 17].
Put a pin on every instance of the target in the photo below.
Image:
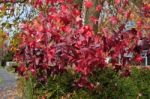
[56, 41]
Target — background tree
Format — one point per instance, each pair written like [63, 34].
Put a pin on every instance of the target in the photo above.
[11, 14]
[3, 44]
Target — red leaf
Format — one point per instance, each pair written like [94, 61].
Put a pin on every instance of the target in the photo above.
[98, 8]
[21, 69]
[88, 3]
[117, 2]
[138, 58]
[128, 14]
[139, 24]
[114, 20]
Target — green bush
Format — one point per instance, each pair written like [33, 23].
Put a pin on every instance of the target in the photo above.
[8, 57]
[109, 85]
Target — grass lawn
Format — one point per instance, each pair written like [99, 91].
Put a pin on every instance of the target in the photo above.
[1, 67]
[1, 80]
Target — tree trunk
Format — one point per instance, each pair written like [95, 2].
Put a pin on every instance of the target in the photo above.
[88, 13]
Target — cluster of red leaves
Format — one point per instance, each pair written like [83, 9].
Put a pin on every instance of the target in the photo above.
[146, 10]
[56, 40]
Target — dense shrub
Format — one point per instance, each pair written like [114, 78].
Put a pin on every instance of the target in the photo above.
[66, 53]
[109, 86]
[58, 39]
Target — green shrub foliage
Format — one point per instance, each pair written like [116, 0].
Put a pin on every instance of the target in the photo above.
[109, 85]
